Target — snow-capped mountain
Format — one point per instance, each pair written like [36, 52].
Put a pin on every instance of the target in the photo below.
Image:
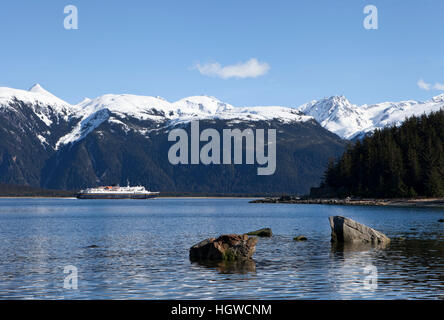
[38, 112]
[337, 115]
[47, 142]
[116, 108]
[349, 121]
[91, 113]
[196, 107]
[44, 104]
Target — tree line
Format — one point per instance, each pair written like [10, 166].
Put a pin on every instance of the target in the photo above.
[402, 161]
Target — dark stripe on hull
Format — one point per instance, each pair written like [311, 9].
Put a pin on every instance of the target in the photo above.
[115, 196]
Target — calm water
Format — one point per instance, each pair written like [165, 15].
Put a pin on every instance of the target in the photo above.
[142, 251]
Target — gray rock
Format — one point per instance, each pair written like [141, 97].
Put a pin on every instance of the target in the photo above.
[344, 230]
[265, 232]
[229, 247]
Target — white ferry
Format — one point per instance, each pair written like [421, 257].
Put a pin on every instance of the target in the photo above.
[117, 192]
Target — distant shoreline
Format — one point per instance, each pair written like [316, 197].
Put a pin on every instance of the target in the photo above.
[36, 197]
[408, 203]
[161, 197]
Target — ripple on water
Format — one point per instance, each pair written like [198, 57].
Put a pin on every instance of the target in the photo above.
[130, 250]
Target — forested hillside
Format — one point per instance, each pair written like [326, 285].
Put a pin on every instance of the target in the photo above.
[404, 161]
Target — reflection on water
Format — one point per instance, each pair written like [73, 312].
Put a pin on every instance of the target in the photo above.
[405, 263]
[351, 267]
[339, 248]
[242, 266]
[139, 249]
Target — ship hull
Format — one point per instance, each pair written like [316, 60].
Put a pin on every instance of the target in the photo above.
[114, 196]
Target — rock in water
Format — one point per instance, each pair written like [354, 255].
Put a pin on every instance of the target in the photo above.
[229, 247]
[265, 232]
[347, 230]
[300, 238]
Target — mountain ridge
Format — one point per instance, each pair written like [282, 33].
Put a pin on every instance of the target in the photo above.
[49, 143]
[336, 113]
[350, 121]
[114, 138]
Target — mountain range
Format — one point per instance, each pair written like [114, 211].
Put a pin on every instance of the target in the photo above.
[47, 142]
[350, 121]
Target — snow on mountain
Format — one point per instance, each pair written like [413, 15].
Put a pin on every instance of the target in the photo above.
[141, 107]
[84, 101]
[389, 113]
[84, 127]
[264, 113]
[438, 99]
[186, 109]
[201, 104]
[35, 95]
[337, 115]
[37, 88]
[160, 110]
[348, 121]
[44, 104]
[93, 112]
[195, 107]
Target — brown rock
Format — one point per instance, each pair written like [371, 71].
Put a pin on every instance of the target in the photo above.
[229, 247]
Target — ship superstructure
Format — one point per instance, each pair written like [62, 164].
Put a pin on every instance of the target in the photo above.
[117, 192]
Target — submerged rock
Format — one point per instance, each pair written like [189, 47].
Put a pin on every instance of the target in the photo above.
[265, 232]
[300, 238]
[345, 230]
[441, 220]
[229, 247]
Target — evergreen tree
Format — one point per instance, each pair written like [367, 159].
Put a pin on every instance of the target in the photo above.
[404, 161]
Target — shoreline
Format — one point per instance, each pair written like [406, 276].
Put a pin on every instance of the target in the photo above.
[35, 197]
[165, 197]
[408, 203]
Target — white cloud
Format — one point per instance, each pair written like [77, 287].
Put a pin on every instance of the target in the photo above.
[438, 86]
[427, 86]
[249, 69]
[423, 85]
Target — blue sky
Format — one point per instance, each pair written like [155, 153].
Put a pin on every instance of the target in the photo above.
[312, 49]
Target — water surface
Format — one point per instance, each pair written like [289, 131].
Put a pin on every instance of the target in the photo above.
[138, 249]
